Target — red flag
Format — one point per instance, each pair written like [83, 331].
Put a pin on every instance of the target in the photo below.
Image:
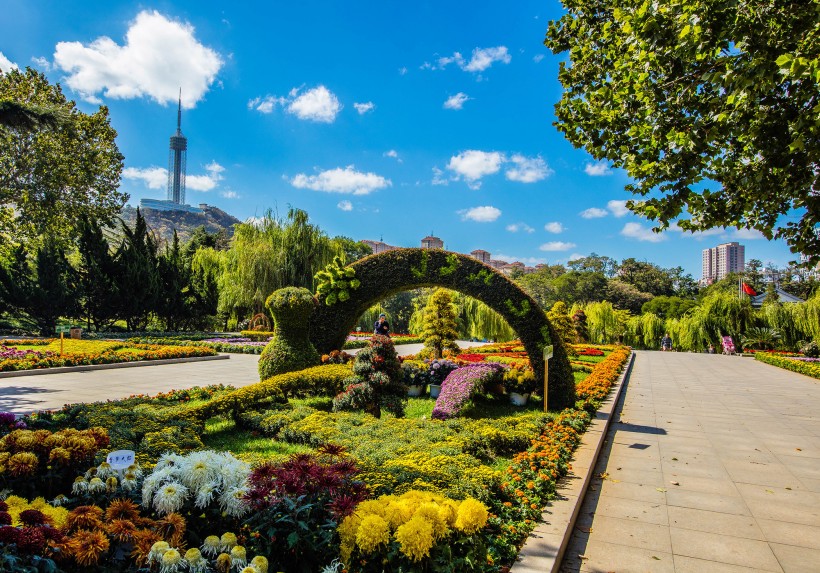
[749, 290]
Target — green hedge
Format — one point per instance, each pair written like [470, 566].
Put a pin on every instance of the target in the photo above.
[290, 348]
[387, 273]
[316, 381]
[808, 368]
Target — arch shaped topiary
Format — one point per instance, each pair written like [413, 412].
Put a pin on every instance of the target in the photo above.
[394, 271]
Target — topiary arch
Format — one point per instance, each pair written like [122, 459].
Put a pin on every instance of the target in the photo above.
[394, 271]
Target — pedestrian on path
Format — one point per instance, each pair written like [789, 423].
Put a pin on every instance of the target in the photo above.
[382, 326]
[666, 343]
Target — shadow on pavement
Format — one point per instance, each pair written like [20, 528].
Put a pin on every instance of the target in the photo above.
[10, 403]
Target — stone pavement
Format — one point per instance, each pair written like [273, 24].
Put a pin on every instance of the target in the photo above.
[711, 465]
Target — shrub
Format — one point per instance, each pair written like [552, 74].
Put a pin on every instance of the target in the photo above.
[459, 386]
[259, 335]
[801, 367]
[810, 349]
[376, 382]
[440, 369]
[290, 349]
[519, 380]
[440, 328]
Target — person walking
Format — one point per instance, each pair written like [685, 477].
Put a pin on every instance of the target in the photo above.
[382, 326]
[666, 343]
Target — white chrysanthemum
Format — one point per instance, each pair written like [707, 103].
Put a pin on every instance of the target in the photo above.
[205, 495]
[171, 562]
[166, 460]
[260, 564]
[233, 502]
[212, 546]
[239, 557]
[158, 549]
[80, 486]
[96, 485]
[333, 567]
[129, 481]
[104, 471]
[195, 561]
[234, 472]
[59, 500]
[170, 497]
[199, 469]
[134, 469]
[227, 541]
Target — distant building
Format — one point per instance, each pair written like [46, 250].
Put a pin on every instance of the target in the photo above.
[379, 246]
[721, 260]
[482, 256]
[430, 242]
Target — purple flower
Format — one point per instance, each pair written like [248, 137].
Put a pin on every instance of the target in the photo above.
[7, 418]
[459, 386]
[20, 425]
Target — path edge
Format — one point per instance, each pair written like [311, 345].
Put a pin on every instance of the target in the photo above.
[544, 549]
[132, 364]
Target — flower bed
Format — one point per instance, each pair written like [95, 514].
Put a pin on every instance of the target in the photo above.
[459, 386]
[83, 353]
[236, 345]
[807, 366]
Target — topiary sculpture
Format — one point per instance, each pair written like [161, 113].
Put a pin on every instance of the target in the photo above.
[290, 349]
[376, 382]
[336, 282]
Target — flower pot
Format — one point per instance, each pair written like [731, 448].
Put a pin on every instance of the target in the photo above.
[518, 399]
[415, 390]
[435, 389]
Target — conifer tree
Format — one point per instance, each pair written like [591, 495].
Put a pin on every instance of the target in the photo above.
[138, 277]
[440, 326]
[561, 322]
[175, 299]
[96, 276]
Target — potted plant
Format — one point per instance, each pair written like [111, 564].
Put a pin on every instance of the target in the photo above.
[519, 384]
[437, 371]
[415, 377]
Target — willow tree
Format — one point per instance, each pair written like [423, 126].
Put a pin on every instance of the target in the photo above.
[606, 324]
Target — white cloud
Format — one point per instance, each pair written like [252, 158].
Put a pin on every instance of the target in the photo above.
[439, 178]
[525, 260]
[159, 56]
[403, 71]
[472, 165]
[456, 101]
[318, 104]
[697, 235]
[557, 246]
[157, 177]
[515, 227]
[42, 63]
[363, 108]
[594, 213]
[555, 227]
[394, 154]
[528, 169]
[339, 180]
[229, 194]
[575, 257]
[641, 233]
[345, 205]
[747, 234]
[483, 58]
[617, 208]
[485, 214]
[537, 58]
[153, 177]
[480, 60]
[6, 65]
[597, 169]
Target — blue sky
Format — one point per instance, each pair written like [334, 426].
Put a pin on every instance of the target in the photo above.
[381, 121]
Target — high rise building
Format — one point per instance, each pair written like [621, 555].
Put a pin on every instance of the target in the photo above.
[721, 260]
[177, 156]
[431, 242]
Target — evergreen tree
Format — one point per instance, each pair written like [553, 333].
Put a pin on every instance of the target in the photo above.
[440, 327]
[771, 294]
[562, 322]
[579, 321]
[138, 283]
[96, 276]
[175, 301]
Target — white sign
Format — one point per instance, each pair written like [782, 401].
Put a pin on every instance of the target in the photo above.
[120, 459]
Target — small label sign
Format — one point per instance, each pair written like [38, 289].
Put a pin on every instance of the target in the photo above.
[63, 329]
[120, 459]
[548, 352]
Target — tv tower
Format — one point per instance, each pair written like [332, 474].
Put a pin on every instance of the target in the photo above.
[177, 155]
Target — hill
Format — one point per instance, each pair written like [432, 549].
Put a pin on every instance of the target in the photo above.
[163, 223]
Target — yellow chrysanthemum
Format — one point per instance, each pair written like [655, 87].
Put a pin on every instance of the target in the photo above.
[398, 512]
[171, 561]
[436, 516]
[211, 546]
[227, 541]
[239, 557]
[22, 464]
[415, 538]
[373, 531]
[223, 563]
[260, 564]
[472, 516]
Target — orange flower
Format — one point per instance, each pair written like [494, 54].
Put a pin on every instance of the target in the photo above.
[88, 546]
[122, 509]
[84, 517]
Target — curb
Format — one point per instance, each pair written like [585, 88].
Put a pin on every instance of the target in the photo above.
[543, 551]
[133, 364]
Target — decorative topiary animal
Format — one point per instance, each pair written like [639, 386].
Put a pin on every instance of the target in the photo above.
[290, 349]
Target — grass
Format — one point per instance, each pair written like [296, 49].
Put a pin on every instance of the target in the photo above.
[222, 435]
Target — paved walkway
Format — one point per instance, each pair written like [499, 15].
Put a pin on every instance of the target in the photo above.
[711, 465]
[26, 394]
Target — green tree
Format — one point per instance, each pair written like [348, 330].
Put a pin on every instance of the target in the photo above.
[595, 263]
[138, 275]
[539, 285]
[580, 287]
[440, 326]
[753, 274]
[97, 282]
[626, 296]
[559, 317]
[668, 306]
[646, 277]
[175, 300]
[50, 177]
[710, 107]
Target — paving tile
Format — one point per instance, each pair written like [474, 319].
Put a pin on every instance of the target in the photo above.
[629, 490]
[723, 549]
[715, 522]
[625, 473]
[800, 535]
[707, 501]
[602, 556]
[632, 533]
[633, 509]
[684, 564]
[797, 559]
